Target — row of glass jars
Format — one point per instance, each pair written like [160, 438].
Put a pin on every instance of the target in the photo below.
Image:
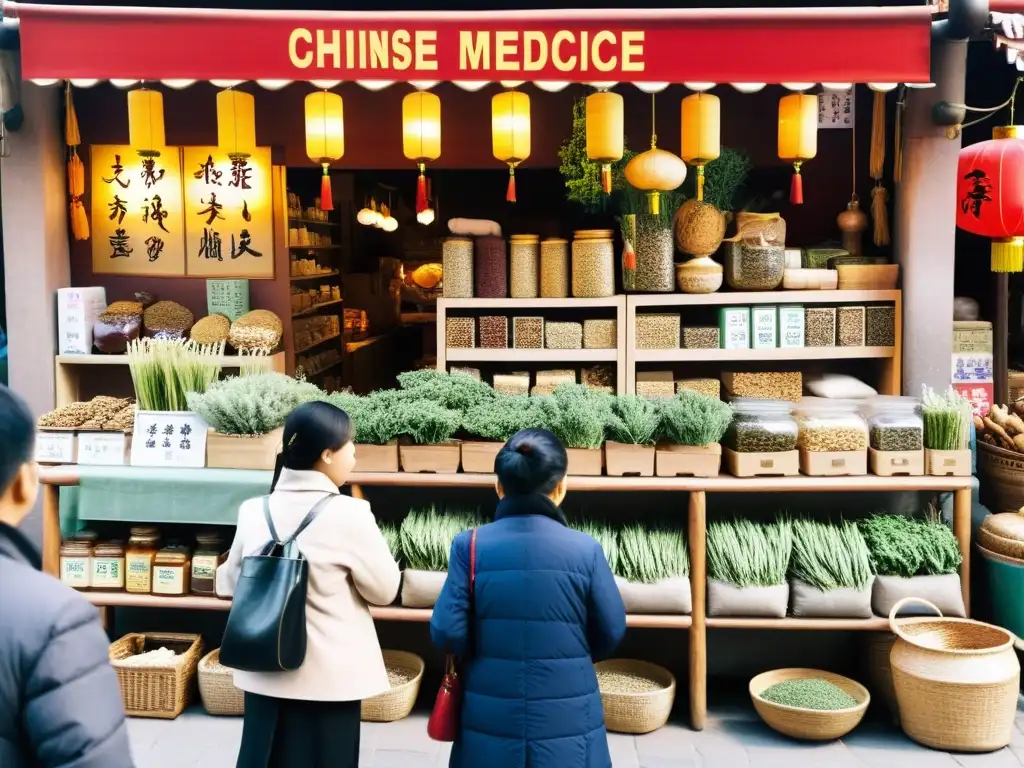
[142, 566]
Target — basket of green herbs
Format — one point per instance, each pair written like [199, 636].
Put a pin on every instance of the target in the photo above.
[653, 570]
[747, 567]
[577, 416]
[830, 571]
[692, 426]
[489, 424]
[632, 429]
[809, 704]
[947, 432]
[377, 426]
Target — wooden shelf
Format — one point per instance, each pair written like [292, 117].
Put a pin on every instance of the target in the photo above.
[319, 276]
[314, 222]
[874, 624]
[317, 307]
[744, 298]
[325, 369]
[354, 346]
[479, 355]
[800, 353]
[317, 343]
[225, 361]
[380, 613]
[323, 247]
[610, 302]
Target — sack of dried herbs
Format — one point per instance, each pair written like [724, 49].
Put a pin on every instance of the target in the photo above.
[426, 537]
[747, 567]
[830, 571]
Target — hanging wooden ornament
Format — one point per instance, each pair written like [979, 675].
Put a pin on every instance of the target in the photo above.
[655, 171]
[798, 137]
[510, 133]
[605, 133]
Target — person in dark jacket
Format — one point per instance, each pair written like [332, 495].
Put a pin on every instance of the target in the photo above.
[544, 606]
[60, 706]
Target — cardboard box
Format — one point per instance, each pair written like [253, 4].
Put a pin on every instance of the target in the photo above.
[77, 310]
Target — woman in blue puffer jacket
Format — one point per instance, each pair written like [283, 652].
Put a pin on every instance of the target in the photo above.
[544, 606]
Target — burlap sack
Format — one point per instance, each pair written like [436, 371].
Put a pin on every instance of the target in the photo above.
[942, 591]
[766, 602]
[665, 596]
[807, 601]
[421, 588]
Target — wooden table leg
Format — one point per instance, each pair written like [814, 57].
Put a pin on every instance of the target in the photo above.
[962, 530]
[698, 627]
[51, 530]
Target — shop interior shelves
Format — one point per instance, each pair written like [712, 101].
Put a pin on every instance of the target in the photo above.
[317, 276]
[800, 353]
[742, 298]
[314, 222]
[316, 308]
[478, 355]
[317, 343]
[610, 301]
[323, 247]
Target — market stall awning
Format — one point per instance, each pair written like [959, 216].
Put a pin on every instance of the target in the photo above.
[648, 47]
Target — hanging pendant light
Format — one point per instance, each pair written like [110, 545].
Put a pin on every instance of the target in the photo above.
[605, 133]
[366, 216]
[702, 130]
[655, 171]
[387, 222]
[798, 137]
[146, 122]
[510, 133]
[325, 137]
[236, 123]
[421, 136]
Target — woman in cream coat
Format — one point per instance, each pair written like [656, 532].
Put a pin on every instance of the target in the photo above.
[309, 717]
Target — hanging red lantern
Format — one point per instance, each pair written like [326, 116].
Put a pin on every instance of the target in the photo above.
[990, 195]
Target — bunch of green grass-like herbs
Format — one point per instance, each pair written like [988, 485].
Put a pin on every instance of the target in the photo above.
[691, 418]
[900, 546]
[748, 554]
[648, 555]
[830, 556]
[577, 415]
[603, 534]
[426, 535]
[947, 420]
[164, 372]
[392, 538]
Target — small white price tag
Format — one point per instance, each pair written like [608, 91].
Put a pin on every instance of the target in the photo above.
[55, 447]
[169, 439]
[101, 448]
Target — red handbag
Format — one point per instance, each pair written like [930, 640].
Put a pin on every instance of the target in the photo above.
[444, 718]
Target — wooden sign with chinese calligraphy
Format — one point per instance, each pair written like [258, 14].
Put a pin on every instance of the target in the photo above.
[136, 212]
[229, 221]
[836, 109]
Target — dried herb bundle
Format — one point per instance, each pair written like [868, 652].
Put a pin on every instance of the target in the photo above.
[830, 556]
[747, 554]
[164, 372]
[251, 405]
[647, 555]
[900, 546]
[947, 420]
[634, 420]
[426, 535]
[691, 418]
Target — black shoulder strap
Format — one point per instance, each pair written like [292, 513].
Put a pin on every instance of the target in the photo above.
[309, 518]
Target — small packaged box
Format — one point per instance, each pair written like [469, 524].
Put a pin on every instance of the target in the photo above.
[791, 327]
[734, 323]
[765, 321]
[77, 311]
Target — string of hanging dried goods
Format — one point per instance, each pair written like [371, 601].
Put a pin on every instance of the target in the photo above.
[76, 170]
[879, 194]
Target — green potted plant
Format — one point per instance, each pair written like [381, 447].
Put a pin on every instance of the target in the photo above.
[577, 416]
[632, 430]
[830, 571]
[490, 424]
[426, 537]
[653, 570]
[427, 430]
[947, 433]
[246, 415]
[692, 426]
[747, 567]
[378, 426]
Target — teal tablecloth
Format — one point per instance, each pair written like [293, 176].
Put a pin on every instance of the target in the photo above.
[148, 495]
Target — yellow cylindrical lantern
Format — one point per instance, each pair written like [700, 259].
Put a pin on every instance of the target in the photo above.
[605, 133]
[146, 122]
[236, 123]
[510, 133]
[325, 137]
[798, 136]
[421, 136]
[702, 133]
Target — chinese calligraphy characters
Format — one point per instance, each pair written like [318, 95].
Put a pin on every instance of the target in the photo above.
[978, 194]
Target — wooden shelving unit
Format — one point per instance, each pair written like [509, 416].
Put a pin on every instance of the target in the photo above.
[314, 222]
[324, 247]
[315, 344]
[890, 366]
[316, 308]
[68, 370]
[613, 306]
[318, 276]
[696, 624]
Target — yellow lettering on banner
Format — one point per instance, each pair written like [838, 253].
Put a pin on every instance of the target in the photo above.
[300, 35]
[474, 50]
[350, 49]
[603, 65]
[633, 51]
[531, 63]
[400, 48]
[325, 49]
[426, 49]
[584, 51]
[362, 49]
[378, 49]
[506, 48]
[562, 65]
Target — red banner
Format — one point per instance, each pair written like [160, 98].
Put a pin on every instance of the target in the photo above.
[718, 46]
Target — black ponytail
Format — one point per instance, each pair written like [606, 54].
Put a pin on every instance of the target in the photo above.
[309, 430]
[532, 461]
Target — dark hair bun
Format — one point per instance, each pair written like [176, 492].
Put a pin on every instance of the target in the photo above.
[532, 461]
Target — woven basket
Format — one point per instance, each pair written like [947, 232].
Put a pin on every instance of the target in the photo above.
[217, 687]
[1002, 478]
[956, 681]
[1003, 534]
[627, 712]
[399, 701]
[162, 692]
[809, 724]
[877, 647]
[1016, 385]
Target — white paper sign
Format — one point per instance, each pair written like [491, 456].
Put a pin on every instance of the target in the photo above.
[55, 447]
[101, 448]
[836, 109]
[169, 439]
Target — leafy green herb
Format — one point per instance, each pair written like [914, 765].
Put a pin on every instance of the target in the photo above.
[391, 536]
[456, 391]
[947, 420]
[164, 372]
[634, 420]
[830, 556]
[603, 534]
[426, 421]
[427, 534]
[691, 418]
[502, 417]
[724, 180]
[577, 415]
[252, 405]
[582, 175]
[647, 555]
[747, 554]
[375, 416]
[900, 546]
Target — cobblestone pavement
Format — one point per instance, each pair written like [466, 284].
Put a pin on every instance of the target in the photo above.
[734, 738]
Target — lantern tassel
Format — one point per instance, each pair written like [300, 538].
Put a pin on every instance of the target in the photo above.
[510, 194]
[796, 186]
[700, 182]
[326, 200]
[879, 198]
[606, 178]
[421, 190]
[1008, 255]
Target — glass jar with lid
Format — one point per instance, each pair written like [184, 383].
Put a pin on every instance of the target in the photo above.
[754, 266]
[209, 554]
[894, 423]
[142, 548]
[830, 426]
[76, 564]
[761, 426]
[108, 563]
[172, 570]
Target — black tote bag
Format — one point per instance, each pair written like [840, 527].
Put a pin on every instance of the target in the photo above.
[266, 629]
